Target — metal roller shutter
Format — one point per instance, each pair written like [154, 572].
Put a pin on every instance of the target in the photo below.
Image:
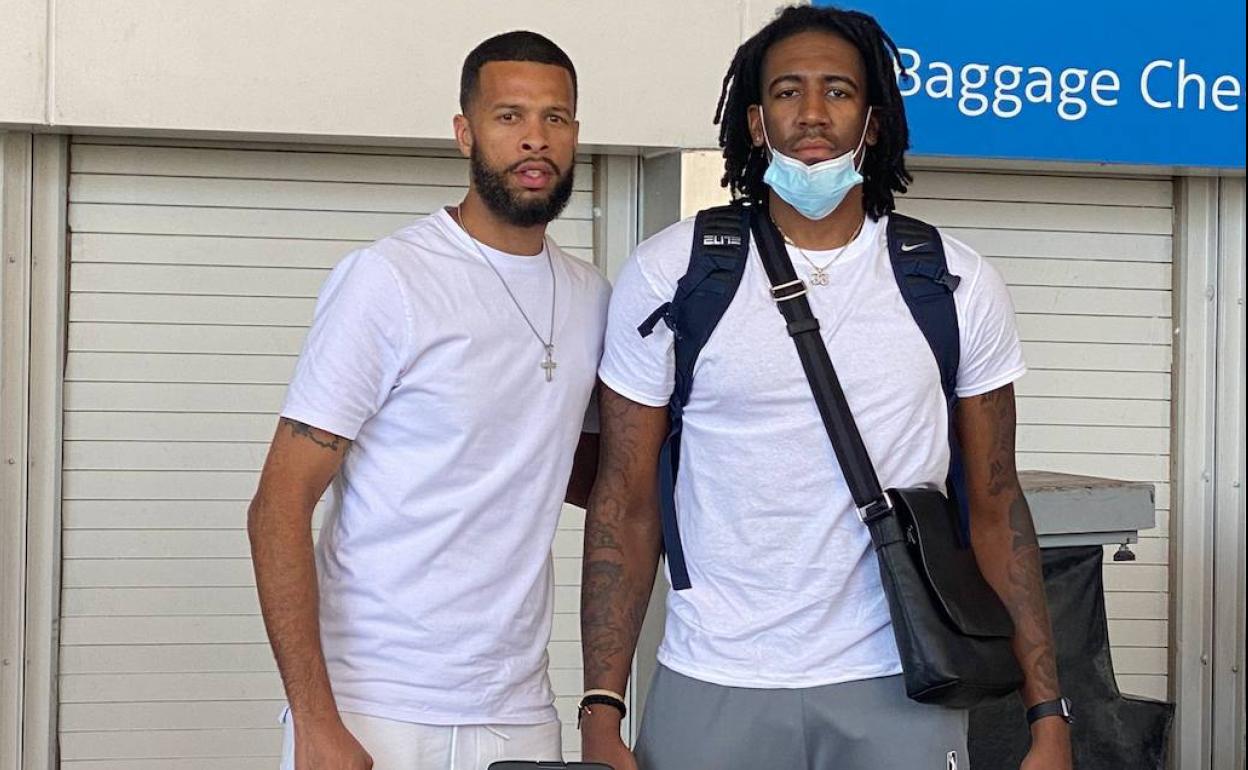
[1088, 262]
[193, 276]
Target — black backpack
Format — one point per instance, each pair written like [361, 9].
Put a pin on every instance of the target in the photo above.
[721, 247]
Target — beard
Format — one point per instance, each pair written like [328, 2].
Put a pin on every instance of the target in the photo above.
[511, 207]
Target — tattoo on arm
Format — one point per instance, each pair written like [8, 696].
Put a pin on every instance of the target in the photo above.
[1033, 635]
[1009, 553]
[621, 541]
[302, 429]
[1003, 474]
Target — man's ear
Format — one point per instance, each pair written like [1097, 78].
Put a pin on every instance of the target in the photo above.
[754, 116]
[873, 128]
[463, 135]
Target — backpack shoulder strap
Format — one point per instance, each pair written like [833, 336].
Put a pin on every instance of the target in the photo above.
[918, 258]
[917, 254]
[717, 259]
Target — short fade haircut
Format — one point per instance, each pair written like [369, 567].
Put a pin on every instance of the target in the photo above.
[520, 45]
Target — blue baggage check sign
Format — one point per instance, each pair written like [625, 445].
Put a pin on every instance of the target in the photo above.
[1107, 81]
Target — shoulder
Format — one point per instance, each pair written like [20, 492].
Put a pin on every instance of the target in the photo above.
[581, 271]
[432, 228]
[983, 292]
[961, 259]
[379, 268]
[585, 276]
[429, 234]
[407, 257]
[982, 282]
[664, 257]
[366, 267]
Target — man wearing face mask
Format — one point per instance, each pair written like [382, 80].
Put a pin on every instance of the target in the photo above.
[779, 649]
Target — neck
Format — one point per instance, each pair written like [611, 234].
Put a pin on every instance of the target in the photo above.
[832, 232]
[486, 227]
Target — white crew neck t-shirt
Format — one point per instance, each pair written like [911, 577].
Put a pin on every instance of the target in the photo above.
[785, 586]
[434, 562]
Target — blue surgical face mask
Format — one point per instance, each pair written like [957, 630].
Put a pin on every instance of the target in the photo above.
[815, 190]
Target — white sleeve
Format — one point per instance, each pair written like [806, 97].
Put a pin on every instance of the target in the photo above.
[356, 348]
[641, 369]
[992, 355]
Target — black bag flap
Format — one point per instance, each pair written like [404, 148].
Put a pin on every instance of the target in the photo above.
[929, 522]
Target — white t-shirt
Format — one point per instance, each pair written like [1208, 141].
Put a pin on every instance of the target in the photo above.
[785, 586]
[434, 562]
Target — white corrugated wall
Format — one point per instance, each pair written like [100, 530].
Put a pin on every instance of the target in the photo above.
[193, 275]
[1088, 262]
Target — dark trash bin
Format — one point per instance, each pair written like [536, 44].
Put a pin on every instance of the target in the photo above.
[1111, 731]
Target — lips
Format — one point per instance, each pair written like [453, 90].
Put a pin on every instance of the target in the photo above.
[534, 174]
[813, 152]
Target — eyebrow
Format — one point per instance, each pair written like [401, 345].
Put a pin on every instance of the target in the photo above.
[826, 79]
[522, 107]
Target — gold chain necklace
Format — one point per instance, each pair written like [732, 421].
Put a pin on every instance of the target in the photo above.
[819, 273]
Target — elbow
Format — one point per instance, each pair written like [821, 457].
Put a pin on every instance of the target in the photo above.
[256, 519]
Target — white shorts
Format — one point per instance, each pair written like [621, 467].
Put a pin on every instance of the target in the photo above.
[409, 746]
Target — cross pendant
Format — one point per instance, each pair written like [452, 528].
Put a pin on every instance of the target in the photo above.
[549, 363]
[819, 277]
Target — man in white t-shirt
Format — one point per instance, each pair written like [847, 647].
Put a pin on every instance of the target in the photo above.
[781, 653]
[442, 389]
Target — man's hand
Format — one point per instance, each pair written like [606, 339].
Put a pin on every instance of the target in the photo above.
[601, 741]
[1050, 746]
[327, 744]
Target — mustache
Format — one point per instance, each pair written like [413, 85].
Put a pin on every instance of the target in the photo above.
[815, 136]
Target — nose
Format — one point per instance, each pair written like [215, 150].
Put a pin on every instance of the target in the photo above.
[813, 111]
[535, 140]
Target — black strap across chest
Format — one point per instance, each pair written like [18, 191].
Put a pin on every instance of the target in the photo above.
[717, 260]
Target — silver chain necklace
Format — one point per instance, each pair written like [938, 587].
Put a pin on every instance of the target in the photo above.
[548, 363]
[819, 273]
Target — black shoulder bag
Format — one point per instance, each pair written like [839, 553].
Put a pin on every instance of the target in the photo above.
[953, 632]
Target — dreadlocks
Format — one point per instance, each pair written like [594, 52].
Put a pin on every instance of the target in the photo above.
[884, 167]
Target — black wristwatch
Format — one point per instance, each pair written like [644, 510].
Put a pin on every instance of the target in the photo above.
[1051, 708]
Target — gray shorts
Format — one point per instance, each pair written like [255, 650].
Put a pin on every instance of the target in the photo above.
[866, 725]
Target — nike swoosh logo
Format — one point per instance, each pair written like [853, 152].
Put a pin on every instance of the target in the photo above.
[912, 246]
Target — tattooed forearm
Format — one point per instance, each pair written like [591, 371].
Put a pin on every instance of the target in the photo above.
[1004, 537]
[1033, 636]
[604, 631]
[321, 438]
[621, 540]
